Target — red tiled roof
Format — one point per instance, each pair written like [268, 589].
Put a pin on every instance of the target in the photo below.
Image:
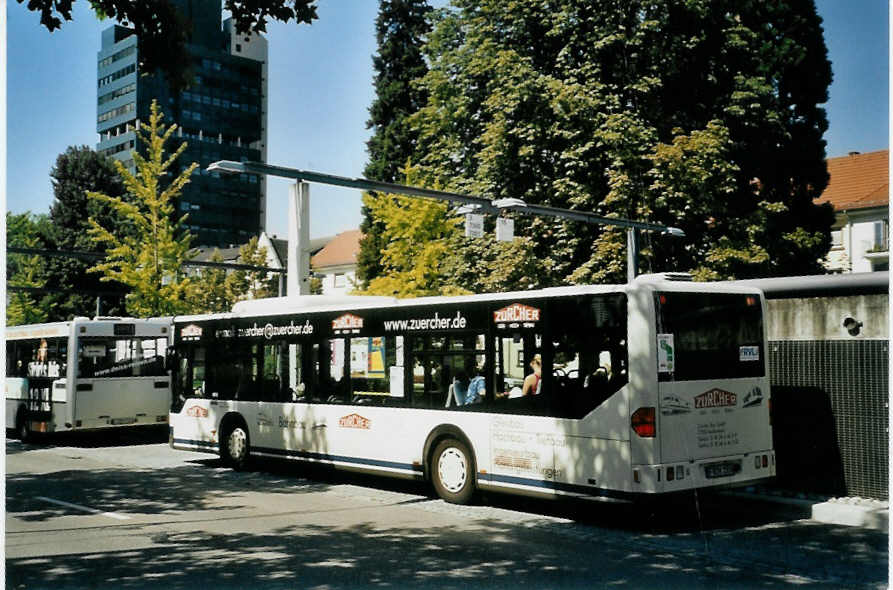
[342, 249]
[858, 181]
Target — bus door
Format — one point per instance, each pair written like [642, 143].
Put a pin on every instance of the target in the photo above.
[277, 418]
[322, 385]
[43, 362]
[522, 435]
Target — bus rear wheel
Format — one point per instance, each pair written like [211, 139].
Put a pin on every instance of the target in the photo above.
[234, 447]
[452, 471]
[23, 427]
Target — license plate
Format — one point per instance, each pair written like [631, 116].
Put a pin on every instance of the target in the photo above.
[721, 470]
[119, 421]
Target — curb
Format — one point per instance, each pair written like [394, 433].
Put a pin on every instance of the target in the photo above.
[858, 512]
[847, 511]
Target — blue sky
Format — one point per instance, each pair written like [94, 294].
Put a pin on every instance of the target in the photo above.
[320, 85]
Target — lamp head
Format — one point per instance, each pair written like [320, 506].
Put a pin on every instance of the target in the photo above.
[509, 202]
[226, 167]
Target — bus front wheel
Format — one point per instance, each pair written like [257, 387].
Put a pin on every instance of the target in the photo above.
[235, 448]
[452, 471]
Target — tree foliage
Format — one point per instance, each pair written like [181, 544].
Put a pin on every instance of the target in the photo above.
[418, 234]
[400, 29]
[218, 288]
[26, 230]
[702, 115]
[146, 248]
[164, 31]
[251, 284]
[212, 294]
[77, 171]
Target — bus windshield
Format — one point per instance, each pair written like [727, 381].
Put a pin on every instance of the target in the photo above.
[713, 336]
[121, 357]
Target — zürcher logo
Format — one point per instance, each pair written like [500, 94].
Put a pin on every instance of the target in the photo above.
[354, 421]
[716, 398]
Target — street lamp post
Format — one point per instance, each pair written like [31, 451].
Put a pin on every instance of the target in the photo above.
[482, 204]
[298, 275]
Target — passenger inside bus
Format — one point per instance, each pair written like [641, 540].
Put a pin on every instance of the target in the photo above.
[533, 381]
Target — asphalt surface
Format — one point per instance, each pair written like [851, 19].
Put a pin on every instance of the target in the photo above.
[90, 512]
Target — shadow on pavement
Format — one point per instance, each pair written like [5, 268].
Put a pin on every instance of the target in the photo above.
[111, 437]
[715, 543]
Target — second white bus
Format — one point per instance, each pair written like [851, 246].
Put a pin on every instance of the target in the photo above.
[647, 388]
[87, 374]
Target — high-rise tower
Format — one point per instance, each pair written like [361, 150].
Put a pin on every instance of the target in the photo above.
[222, 116]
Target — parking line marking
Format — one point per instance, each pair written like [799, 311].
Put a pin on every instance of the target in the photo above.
[84, 508]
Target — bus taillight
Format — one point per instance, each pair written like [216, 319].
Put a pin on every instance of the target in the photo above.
[643, 422]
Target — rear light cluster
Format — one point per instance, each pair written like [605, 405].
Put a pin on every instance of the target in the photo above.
[762, 461]
[643, 422]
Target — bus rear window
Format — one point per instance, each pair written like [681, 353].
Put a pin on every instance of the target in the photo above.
[709, 336]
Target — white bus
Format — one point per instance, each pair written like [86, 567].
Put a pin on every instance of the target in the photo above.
[87, 374]
[652, 387]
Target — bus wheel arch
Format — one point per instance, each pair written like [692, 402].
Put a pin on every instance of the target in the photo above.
[235, 441]
[447, 447]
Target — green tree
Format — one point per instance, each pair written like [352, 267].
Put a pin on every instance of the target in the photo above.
[26, 230]
[484, 265]
[418, 234]
[211, 292]
[400, 29]
[77, 171]
[164, 31]
[250, 284]
[702, 115]
[146, 249]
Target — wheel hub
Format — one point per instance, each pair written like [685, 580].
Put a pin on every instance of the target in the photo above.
[237, 444]
[453, 470]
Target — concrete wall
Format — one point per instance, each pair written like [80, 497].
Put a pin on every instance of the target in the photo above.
[830, 394]
[822, 318]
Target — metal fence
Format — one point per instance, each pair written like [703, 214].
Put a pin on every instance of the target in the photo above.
[830, 416]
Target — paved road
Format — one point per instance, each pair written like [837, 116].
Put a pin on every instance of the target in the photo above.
[84, 513]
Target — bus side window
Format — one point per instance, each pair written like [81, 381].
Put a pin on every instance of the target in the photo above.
[275, 376]
[519, 374]
[334, 382]
[371, 361]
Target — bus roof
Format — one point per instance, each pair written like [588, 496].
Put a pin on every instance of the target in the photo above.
[28, 331]
[316, 303]
[100, 326]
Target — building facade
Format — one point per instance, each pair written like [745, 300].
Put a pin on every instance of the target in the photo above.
[222, 116]
[859, 192]
[336, 263]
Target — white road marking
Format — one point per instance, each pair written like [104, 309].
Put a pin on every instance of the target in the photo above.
[84, 508]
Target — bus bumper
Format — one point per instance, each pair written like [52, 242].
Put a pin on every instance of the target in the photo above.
[732, 471]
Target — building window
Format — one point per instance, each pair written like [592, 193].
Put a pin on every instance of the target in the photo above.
[117, 56]
[881, 233]
[122, 110]
[117, 93]
[238, 48]
[837, 238]
[117, 75]
[340, 279]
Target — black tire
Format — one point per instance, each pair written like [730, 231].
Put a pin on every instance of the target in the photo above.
[235, 447]
[453, 471]
[23, 427]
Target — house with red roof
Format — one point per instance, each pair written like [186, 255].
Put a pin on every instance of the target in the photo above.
[336, 263]
[859, 192]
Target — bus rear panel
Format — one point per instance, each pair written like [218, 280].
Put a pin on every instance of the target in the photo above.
[711, 415]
